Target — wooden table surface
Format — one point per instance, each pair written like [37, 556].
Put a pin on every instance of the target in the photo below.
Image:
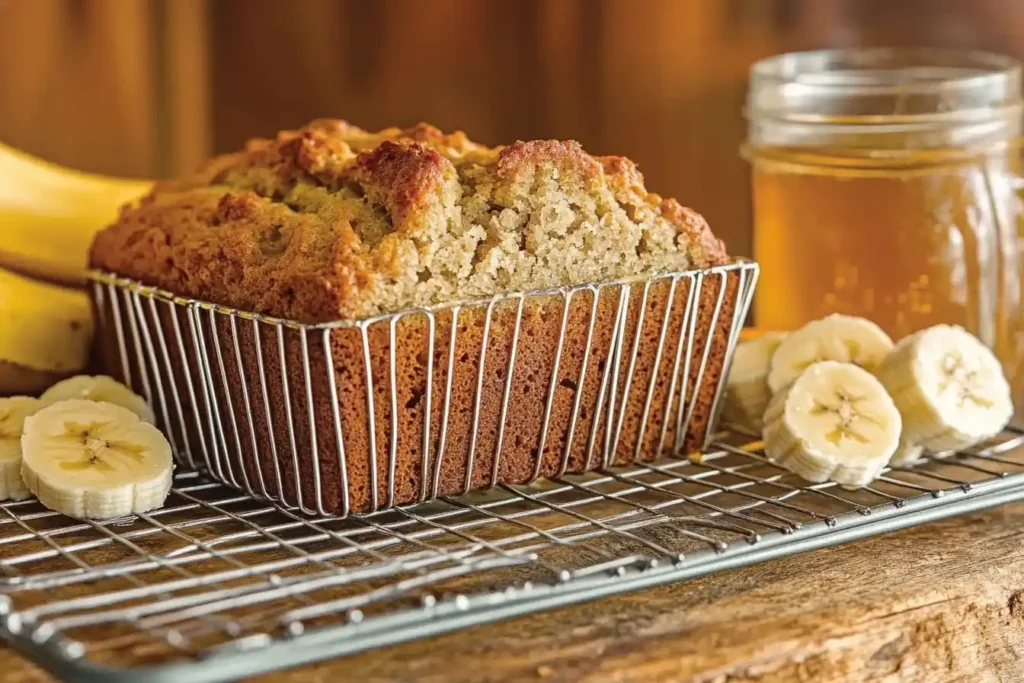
[940, 602]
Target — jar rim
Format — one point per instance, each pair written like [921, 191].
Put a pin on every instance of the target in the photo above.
[907, 83]
[977, 64]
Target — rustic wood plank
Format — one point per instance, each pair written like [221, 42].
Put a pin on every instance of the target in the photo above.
[942, 602]
[935, 603]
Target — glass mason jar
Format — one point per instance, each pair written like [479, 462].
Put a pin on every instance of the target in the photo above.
[887, 185]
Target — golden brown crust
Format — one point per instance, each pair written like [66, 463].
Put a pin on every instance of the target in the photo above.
[568, 157]
[401, 178]
[331, 222]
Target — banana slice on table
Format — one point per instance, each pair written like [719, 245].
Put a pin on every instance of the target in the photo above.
[747, 393]
[94, 460]
[13, 412]
[949, 388]
[842, 338]
[835, 422]
[100, 388]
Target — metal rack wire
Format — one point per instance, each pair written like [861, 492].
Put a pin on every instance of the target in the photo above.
[219, 585]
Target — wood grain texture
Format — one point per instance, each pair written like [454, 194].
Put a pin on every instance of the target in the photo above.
[77, 83]
[942, 602]
[184, 70]
[150, 86]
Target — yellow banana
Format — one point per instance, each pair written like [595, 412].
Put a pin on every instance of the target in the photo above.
[45, 333]
[49, 214]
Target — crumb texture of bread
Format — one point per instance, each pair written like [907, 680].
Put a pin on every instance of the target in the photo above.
[331, 222]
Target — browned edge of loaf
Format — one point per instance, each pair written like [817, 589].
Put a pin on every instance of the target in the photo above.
[330, 222]
[238, 441]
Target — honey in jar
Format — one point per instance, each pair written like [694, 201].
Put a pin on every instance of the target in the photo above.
[887, 185]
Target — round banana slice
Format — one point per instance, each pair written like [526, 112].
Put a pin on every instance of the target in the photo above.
[842, 338]
[949, 387]
[100, 388]
[835, 422]
[747, 392]
[94, 460]
[13, 412]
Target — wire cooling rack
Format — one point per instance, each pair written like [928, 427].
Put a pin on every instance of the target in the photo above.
[217, 585]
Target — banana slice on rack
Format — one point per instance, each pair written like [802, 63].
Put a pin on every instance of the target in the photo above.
[906, 453]
[100, 388]
[747, 393]
[949, 388]
[834, 422]
[842, 338]
[13, 412]
[94, 460]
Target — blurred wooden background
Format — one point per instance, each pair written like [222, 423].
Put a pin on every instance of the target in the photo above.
[149, 87]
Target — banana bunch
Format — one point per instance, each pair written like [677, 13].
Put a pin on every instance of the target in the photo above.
[45, 333]
[837, 400]
[86, 458]
[48, 216]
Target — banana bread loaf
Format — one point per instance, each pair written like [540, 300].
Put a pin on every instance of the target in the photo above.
[332, 223]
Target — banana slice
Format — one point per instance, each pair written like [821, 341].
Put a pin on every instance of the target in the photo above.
[906, 453]
[13, 412]
[842, 338]
[834, 422]
[94, 460]
[747, 392]
[949, 387]
[100, 388]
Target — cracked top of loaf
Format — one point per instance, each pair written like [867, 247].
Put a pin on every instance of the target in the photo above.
[332, 222]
